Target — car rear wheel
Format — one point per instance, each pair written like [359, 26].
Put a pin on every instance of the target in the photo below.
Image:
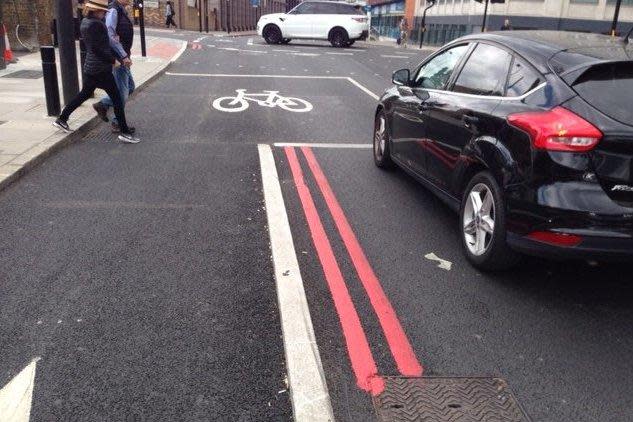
[339, 38]
[382, 153]
[272, 34]
[483, 225]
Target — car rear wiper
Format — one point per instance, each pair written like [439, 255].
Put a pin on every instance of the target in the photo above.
[625, 40]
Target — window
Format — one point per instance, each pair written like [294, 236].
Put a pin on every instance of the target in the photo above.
[485, 72]
[522, 79]
[305, 8]
[343, 9]
[435, 73]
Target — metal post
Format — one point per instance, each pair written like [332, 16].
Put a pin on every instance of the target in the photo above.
[51, 89]
[228, 16]
[199, 16]
[483, 25]
[141, 22]
[616, 15]
[423, 25]
[67, 52]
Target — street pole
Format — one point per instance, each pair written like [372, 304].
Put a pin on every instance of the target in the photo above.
[483, 25]
[616, 15]
[199, 15]
[423, 25]
[141, 23]
[228, 17]
[67, 52]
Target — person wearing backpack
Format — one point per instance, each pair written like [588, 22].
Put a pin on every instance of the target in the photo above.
[169, 15]
[97, 70]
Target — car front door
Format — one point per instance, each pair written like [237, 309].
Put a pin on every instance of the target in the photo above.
[409, 113]
[298, 22]
[455, 117]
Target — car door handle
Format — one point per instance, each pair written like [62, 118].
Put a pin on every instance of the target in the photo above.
[470, 120]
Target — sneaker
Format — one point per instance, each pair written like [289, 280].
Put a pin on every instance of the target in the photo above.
[62, 125]
[128, 138]
[117, 129]
[101, 110]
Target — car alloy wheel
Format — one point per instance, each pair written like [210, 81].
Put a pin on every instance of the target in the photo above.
[382, 155]
[479, 219]
[272, 35]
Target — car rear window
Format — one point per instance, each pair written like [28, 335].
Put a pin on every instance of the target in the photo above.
[608, 88]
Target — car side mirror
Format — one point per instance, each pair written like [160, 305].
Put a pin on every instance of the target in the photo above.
[401, 77]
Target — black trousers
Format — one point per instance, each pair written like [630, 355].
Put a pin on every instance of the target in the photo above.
[106, 82]
[170, 21]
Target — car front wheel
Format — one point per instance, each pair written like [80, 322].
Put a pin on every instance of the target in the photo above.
[483, 225]
[382, 153]
[272, 34]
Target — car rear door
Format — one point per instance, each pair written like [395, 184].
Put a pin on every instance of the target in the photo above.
[324, 19]
[409, 124]
[455, 118]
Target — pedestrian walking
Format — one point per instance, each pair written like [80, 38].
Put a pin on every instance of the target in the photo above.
[170, 12]
[121, 33]
[404, 32]
[97, 71]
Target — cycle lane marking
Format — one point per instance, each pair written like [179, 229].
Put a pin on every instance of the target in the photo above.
[308, 388]
[361, 358]
[240, 102]
[401, 348]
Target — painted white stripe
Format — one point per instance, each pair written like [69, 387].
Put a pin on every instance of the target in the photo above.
[308, 388]
[341, 54]
[364, 89]
[225, 75]
[393, 57]
[179, 53]
[288, 51]
[305, 54]
[249, 42]
[200, 39]
[16, 397]
[240, 50]
[322, 145]
[211, 45]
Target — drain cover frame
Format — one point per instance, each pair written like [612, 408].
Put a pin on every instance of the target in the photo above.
[25, 74]
[463, 399]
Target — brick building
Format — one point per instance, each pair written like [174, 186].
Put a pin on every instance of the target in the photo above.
[27, 22]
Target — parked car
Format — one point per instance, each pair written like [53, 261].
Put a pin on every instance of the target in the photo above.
[528, 134]
[340, 23]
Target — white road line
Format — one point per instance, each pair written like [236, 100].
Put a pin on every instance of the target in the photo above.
[322, 145]
[16, 397]
[288, 51]
[308, 388]
[305, 54]
[249, 42]
[226, 75]
[341, 54]
[179, 53]
[394, 57]
[364, 89]
[200, 39]
[211, 45]
[242, 51]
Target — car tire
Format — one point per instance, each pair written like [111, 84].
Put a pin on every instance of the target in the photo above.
[285, 41]
[272, 34]
[382, 143]
[483, 225]
[339, 37]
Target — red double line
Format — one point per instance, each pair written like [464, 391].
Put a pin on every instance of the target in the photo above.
[358, 348]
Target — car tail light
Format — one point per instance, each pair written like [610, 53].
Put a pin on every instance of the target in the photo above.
[557, 130]
[556, 239]
[360, 19]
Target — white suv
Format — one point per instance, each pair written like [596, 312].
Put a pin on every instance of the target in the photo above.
[338, 22]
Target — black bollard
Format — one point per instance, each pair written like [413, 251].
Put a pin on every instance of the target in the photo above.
[51, 89]
[67, 51]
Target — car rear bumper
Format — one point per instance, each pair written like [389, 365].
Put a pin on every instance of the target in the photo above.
[363, 35]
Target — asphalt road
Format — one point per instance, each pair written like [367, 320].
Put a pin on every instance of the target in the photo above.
[141, 275]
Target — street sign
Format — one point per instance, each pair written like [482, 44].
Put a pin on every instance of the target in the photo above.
[151, 4]
[254, 3]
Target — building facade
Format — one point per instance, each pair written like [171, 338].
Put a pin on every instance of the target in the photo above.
[450, 19]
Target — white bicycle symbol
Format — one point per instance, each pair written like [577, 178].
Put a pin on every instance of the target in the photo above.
[267, 99]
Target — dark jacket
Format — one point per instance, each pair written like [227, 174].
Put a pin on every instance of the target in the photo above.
[99, 56]
[124, 28]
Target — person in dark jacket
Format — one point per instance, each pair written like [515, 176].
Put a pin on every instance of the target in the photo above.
[97, 71]
[121, 32]
[169, 14]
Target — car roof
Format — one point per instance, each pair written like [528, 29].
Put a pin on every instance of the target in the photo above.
[561, 50]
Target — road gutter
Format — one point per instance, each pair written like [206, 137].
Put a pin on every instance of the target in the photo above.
[308, 388]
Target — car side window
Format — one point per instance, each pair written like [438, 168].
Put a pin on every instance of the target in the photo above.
[485, 72]
[326, 9]
[436, 73]
[306, 8]
[522, 78]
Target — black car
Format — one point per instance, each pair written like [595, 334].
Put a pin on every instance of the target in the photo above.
[528, 134]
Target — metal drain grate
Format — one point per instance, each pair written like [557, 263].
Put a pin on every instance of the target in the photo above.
[437, 399]
[25, 74]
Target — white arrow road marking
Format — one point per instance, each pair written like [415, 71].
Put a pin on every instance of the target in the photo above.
[200, 39]
[442, 263]
[17, 395]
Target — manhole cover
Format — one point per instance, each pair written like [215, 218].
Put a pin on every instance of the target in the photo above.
[25, 74]
[448, 399]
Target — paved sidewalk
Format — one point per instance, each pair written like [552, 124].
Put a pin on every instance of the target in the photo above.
[26, 133]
